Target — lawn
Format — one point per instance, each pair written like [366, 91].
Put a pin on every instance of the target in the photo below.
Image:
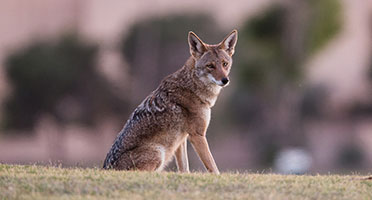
[40, 182]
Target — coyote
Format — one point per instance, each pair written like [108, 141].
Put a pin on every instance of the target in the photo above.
[179, 109]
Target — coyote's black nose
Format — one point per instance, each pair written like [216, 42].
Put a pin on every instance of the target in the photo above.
[225, 81]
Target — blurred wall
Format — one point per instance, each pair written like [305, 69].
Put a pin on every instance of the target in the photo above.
[23, 22]
[341, 67]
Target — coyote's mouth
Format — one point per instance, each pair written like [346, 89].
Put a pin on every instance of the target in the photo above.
[219, 83]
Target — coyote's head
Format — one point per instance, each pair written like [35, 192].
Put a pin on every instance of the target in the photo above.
[213, 62]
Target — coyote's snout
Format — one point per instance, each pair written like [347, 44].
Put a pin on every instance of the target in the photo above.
[179, 109]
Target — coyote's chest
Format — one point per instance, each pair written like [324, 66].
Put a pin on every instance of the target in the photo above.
[205, 114]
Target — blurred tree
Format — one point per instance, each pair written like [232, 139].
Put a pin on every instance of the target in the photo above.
[324, 23]
[58, 78]
[272, 48]
[274, 45]
[157, 47]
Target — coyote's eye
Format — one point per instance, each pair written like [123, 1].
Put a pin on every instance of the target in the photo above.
[225, 64]
[211, 66]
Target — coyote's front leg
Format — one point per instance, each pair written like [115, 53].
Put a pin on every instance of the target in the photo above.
[181, 157]
[200, 144]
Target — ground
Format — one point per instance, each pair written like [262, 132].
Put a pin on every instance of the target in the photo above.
[46, 182]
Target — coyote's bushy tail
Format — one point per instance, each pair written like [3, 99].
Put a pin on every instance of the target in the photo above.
[114, 154]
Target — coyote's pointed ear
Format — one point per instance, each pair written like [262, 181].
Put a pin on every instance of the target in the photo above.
[197, 47]
[228, 44]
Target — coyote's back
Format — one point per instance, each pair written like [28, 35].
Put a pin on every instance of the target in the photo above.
[156, 115]
[178, 109]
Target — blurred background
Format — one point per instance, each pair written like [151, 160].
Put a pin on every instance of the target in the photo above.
[300, 99]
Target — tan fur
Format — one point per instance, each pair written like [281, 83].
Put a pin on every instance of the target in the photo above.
[179, 109]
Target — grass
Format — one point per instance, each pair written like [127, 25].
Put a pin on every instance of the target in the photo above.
[40, 182]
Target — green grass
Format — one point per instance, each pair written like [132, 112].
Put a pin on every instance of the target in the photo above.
[40, 182]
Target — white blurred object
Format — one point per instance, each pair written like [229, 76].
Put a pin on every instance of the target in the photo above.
[293, 161]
